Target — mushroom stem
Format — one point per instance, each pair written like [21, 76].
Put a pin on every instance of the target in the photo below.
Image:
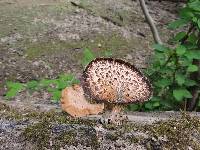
[116, 116]
[117, 108]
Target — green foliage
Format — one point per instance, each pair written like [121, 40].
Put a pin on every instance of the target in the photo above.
[53, 86]
[89, 55]
[13, 89]
[32, 85]
[171, 69]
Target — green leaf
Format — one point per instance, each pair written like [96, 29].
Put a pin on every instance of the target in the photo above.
[13, 89]
[179, 36]
[185, 61]
[56, 96]
[198, 22]
[62, 85]
[186, 13]
[180, 50]
[45, 83]
[192, 38]
[88, 56]
[15, 85]
[180, 78]
[167, 105]
[108, 53]
[11, 93]
[148, 105]
[195, 5]
[179, 94]
[187, 94]
[163, 83]
[189, 82]
[192, 68]
[195, 19]
[178, 23]
[193, 54]
[159, 47]
[156, 104]
[32, 85]
[50, 89]
[191, 46]
[66, 77]
[134, 107]
[75, 81]
[155, 99]
[199, 103]
[167, 70]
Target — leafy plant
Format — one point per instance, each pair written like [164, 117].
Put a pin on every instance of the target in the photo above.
[13, 89]
[53, 86]
[175, 72]
[89, 55]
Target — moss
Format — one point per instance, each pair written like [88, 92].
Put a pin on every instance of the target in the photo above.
[52, 116]
[39, 134]
[113, 42]
[42, 134]
[9, 113]
[65, 138]
[171, 134]
[4, 107]
[177, 132]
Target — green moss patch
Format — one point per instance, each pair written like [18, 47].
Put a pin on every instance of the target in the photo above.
[56, 131]
[176, 133]
[113, 42]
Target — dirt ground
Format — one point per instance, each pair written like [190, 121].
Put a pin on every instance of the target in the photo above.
[41, 39]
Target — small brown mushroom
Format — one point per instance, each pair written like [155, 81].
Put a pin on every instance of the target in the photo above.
[115, 82]
[73, 102]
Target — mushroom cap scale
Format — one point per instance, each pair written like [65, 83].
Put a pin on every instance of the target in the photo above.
[115, 81]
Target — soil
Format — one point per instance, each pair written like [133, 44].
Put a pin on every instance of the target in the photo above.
[42, 39]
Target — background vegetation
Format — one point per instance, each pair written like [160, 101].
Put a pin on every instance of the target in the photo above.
[174, 70]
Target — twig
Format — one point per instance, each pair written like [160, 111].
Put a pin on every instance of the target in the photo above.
[191, 28]
[150, 21]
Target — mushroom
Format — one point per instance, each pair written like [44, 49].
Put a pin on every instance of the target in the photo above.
[115, 83]
[74, 102]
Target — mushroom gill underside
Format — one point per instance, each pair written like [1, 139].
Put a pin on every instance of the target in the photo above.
[74, 103]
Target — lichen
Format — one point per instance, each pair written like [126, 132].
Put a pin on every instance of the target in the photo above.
[176, 133]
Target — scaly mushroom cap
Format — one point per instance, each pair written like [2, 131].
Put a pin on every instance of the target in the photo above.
[115, 81]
